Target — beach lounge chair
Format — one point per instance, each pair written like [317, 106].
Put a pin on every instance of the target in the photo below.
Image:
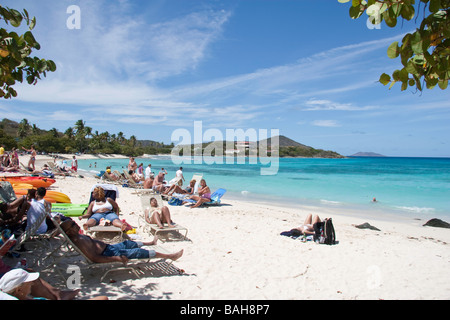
[53, 167]
[197, 177]
[111, 191]
[153, 228]
[30, 232]
[215, 198]
[72, 250]
[130, 181]
[10, 243]
[108, 178]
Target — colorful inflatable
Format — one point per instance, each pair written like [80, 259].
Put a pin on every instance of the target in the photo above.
[34, 181]
[51, 196]
[70, 209]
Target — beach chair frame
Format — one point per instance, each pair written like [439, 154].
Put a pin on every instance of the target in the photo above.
[111, 191]
[153, 228]
[73, 250]
[130, 181]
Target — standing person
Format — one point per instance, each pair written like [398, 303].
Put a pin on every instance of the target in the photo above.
[132, 165]
[140, 172]
[179, 175]
[74, 164]
[148, 172]
[32, 160]
[2, 153]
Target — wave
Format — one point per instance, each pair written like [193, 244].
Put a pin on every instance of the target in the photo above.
[417, 209]
[329, 201]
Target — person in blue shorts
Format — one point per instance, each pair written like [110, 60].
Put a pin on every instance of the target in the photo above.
[99, 252]
[102, 209]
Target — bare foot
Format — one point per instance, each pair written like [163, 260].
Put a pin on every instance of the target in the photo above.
[176, 255]
[153, 242]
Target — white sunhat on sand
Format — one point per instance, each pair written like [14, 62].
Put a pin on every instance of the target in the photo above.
[14, 278]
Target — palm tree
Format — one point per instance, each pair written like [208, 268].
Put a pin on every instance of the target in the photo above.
[24, 128]
[54, 132]
[132, 141]
[69, 133]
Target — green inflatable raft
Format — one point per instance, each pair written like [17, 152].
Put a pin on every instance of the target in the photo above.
[69, 209]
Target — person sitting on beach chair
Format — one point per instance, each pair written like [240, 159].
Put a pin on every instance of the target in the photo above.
[12, 213]
[38, 208]
[204, 194]
[99, 252]
[102, 208]
[158, 182]
[156, 215]
[20, 284]
[175, 188]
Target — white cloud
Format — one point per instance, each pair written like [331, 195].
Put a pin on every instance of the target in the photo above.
[326, 123]
[322, 105]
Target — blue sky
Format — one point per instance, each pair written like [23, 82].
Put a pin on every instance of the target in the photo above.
[147, 68]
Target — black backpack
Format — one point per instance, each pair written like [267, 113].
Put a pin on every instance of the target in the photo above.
[324, 232]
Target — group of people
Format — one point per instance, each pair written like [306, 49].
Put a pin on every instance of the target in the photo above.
[9, 160]
[19, 214]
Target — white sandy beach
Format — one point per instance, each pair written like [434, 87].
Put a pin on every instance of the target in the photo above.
[235, 251]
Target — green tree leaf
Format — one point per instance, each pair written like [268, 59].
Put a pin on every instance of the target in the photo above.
[393, 50]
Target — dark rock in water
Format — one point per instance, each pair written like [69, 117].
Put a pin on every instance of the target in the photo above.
[438, 223]
[367, 226]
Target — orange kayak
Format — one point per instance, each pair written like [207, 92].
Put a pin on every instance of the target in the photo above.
[50, 196]
[34, 181]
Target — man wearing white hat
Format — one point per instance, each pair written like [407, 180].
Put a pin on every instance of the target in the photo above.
[17, 283]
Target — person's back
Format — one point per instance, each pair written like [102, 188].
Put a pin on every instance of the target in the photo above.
[37, 209]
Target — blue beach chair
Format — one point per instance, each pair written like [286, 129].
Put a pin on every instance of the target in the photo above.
[216, 196]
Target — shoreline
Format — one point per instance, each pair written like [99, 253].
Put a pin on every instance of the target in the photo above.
[374, 211]
[235, 252]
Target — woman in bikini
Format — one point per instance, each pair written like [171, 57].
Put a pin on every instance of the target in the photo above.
[307, 228]
[32, 160]
[156, 215]
[102, 208]
[204, 194]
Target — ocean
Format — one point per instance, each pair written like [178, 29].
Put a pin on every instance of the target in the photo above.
[409, 187]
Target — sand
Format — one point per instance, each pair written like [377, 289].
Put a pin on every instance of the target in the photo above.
[235, 251]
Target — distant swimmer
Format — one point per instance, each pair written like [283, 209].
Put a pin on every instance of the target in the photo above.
[374, 199]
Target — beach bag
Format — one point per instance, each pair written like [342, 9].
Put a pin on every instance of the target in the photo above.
[175, 202]
[324, 232]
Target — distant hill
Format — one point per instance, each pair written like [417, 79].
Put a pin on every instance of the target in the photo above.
[291, 148]
[367, 154]
[287, 148]
[285, 142]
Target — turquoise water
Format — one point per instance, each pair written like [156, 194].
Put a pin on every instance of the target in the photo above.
[407, 186]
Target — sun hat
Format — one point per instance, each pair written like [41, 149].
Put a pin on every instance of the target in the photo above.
[14, 278]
